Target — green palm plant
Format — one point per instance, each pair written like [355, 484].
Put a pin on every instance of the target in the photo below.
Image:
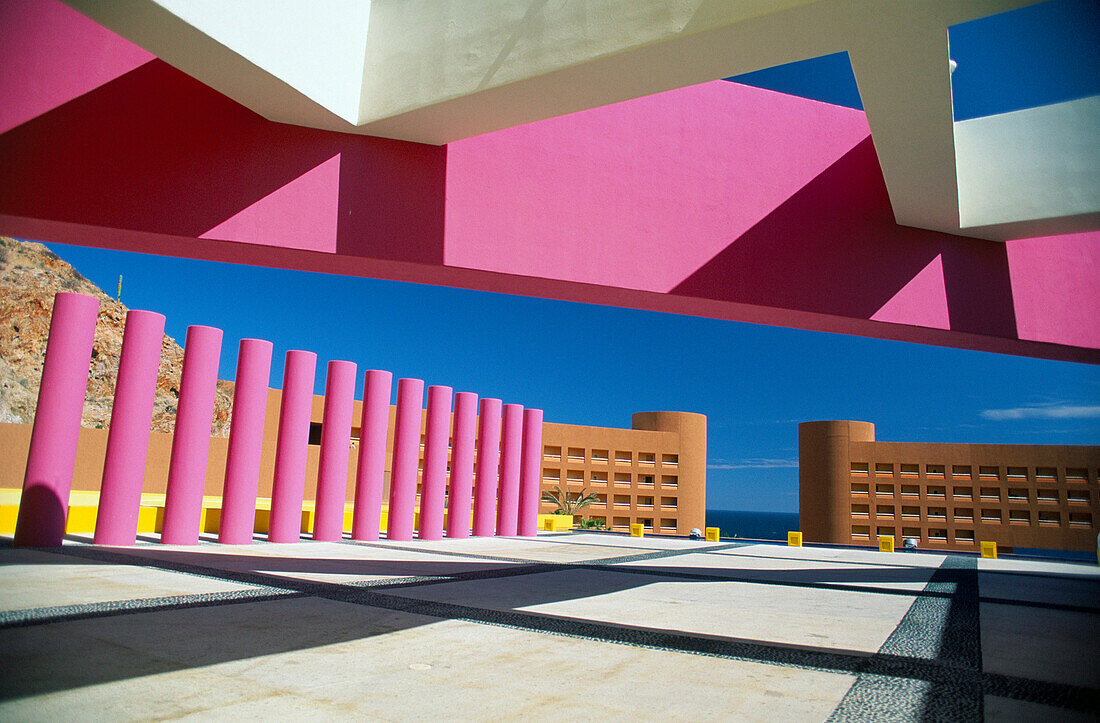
[569, 504]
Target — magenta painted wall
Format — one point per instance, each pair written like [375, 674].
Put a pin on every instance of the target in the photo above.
[653, 203]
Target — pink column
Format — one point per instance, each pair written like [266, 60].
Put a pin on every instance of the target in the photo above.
[52, 454]
[246, 442]
[370, 476]
[462, 465]
[511, 449]
[406, 453]
[191, 438]
[128, 440]
[488, 447]
[530, 472]
[332, 469]
[434, 485]
[291, 450]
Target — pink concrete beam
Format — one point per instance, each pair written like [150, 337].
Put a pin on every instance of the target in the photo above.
[462, 465]
[131, 419]
[370, 476]
[434, 486]
[511, 448]
[332, 469]
[292, 447]
[191, 437]
[52, 454]
[530, 470]
[488, 450]
[406, 453]
[246, 439]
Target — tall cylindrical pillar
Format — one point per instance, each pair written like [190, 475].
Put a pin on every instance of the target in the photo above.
[406, 453]
[434, 480]
[530, 471]
[52, 454]
[292, 447]
[191, 438]
[462, 465]
[128, 440]
[332, 469]
[370, 477]
[488, 451]
[246, 442]
[511, 449]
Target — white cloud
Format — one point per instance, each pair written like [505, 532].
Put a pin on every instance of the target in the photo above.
[753, 463]
[1052, 411]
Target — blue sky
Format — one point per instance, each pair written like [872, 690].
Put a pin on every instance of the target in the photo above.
[754, 383]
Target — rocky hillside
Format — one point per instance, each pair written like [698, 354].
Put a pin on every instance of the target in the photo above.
[30, 275]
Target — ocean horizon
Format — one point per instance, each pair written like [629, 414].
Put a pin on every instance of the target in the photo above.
[753, 525]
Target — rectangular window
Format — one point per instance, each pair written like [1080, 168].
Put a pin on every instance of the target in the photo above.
[622, 500]
[860, 510]
[1076, 474]
[990, 515]
[622, 457]
[859, 469]
[599, 455]
[1047, 495]
[1076, 497]
[645, 502]
[937, 512]
[668, 525]
[647, 523]
[910, 470]
[645, 480]
[910, 532]
[670, 459]
[937, 491]
[551, 475]
[576, 454]
[1020, 516]
[964, 514]
[1046, 473]
[884, 469]
[599, 518]
[966, 537]
[991, 493]
[989, 472]
[910, 490]
[884, 511]
[668, 502]
[670, 480]
[961, 470]
[601, 499]
[1017, 494]
[622, 478]
[1049, 517]
[936, 534]
[910, 511]
[861, 531]
[551, 452]
[620, 522]
[884, 490]
[881, 531]
[933, 470]
[1017, 472]
[1080, 518]
[575, 476]
[646, 457]
[859, 488]
[962, 493]
[599, 478]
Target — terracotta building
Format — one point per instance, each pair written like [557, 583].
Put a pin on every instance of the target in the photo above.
[654, 474]
[852, 489]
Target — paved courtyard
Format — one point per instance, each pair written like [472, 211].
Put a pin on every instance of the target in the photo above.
[581, 626]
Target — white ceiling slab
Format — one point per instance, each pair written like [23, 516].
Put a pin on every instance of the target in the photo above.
[434, 71]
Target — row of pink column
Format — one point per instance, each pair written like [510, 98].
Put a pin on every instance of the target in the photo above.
[512, 509]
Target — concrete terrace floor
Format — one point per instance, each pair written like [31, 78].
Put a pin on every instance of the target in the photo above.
[583, 626]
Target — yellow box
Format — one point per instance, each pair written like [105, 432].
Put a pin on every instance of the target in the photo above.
[637, 529]
[147, 520]
[989, 549]
[713, 533]
[794, 539]
[885, 543]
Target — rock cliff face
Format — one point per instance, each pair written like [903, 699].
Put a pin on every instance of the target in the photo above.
[30, 275]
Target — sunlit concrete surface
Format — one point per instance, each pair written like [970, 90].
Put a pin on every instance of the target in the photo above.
[563, 626]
